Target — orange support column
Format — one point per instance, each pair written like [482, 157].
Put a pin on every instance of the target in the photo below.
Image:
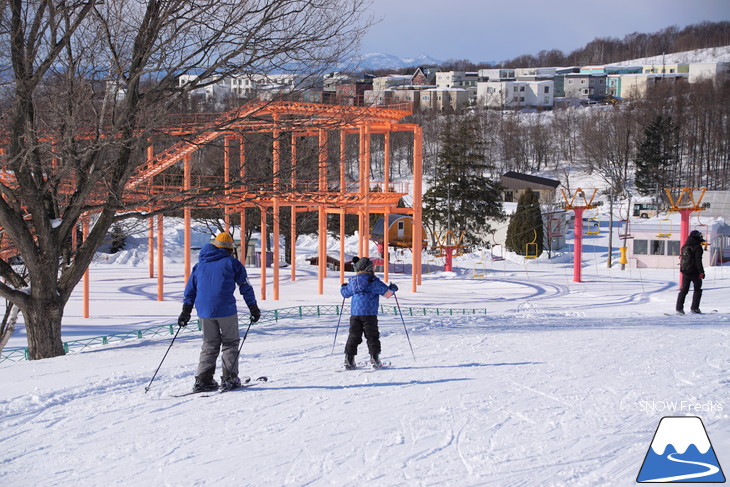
[275, 210]
[242, 172]
[227, 179]
[417, 205]
[263, 252]
[342, 246]
[186, 219]
[151, 232]
[322, 172]
[343, 189]
[244, 247]
[386, 215]
[362, 188]
[366, 210]
[322, 231]
[293, 225]
[151, 245]
[87, 275]
[160, 258]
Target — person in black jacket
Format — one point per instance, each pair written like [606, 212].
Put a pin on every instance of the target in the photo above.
[690, 264]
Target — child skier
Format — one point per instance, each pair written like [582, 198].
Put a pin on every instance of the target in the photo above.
[210, 288]
[365, 290]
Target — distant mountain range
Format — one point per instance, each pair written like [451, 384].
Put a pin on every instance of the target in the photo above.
[377, 60]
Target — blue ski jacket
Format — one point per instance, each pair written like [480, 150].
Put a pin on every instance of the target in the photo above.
[365, 290]
[213, 282]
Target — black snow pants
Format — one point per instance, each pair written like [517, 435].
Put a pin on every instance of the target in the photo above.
[696, 295]
[358, 326]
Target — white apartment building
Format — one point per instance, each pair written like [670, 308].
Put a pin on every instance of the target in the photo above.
[516, 94]
[719, 72]
[442, 98]
[585, 85]
[457, 79]
[382, 83]
[496, 74]
[535, 73]
[244, 85]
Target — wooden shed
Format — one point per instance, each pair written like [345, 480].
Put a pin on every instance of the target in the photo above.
[516, 183]
[400, 231]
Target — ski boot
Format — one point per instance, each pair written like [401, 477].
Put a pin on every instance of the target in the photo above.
[203, 385]
[350, 362]
[375, 361]
[229, 383]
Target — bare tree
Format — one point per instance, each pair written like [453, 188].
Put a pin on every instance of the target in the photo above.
[608, 143]
[84, 85]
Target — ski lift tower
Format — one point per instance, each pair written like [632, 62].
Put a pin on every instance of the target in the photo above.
[684, 201]
[578, 202]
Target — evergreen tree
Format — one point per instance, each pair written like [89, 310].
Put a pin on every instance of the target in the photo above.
[526, 225]
[462, 196]
[655, 156]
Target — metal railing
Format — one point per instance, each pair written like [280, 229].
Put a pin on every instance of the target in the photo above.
[271, 316]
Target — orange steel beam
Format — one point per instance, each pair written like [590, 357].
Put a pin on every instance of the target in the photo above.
[417, 206]
[275, 209]
[295, 118]
[151, 246]
[386, 214]
[242, 172]
[263, 253]
[186, 217]
[160, 258]
[227, 178]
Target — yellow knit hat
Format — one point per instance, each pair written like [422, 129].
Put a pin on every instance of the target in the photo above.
[224, 241]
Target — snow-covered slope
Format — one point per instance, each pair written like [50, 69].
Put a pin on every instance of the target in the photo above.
[710, 55]
[559, 383]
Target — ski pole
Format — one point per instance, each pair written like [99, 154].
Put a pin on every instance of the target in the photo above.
[338, 326]
[404, 325]
[163, 359]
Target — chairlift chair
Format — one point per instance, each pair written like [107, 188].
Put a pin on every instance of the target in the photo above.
[531, 248]
[501, 249]
[624, 229]
[593, 226]
[665, 228]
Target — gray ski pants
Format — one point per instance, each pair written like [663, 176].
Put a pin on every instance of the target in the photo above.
[219, 334]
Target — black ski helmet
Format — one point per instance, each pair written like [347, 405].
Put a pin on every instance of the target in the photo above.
[696, 234]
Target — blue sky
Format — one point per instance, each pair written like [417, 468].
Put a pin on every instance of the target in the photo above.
[489, 30]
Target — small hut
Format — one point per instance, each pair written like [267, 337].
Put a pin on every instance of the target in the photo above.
[400, 231]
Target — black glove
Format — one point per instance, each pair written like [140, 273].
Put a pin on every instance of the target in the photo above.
[393, 287]
[185, 315]
[255, 312]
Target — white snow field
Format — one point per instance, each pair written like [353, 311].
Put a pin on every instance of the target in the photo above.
[557, 383]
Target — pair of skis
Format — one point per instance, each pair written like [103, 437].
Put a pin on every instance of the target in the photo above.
[245, 383]
[366, 366]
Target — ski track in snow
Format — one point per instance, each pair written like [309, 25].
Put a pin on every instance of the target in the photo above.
[469, 411]
[543, 390]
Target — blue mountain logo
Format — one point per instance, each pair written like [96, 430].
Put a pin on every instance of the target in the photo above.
[680, 452]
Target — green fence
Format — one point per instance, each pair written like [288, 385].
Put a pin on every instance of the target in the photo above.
[271, 316]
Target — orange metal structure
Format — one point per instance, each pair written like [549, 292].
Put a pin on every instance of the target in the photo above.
[330, 194]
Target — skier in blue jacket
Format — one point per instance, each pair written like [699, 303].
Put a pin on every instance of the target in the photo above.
[211, 288]
[365, 290]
